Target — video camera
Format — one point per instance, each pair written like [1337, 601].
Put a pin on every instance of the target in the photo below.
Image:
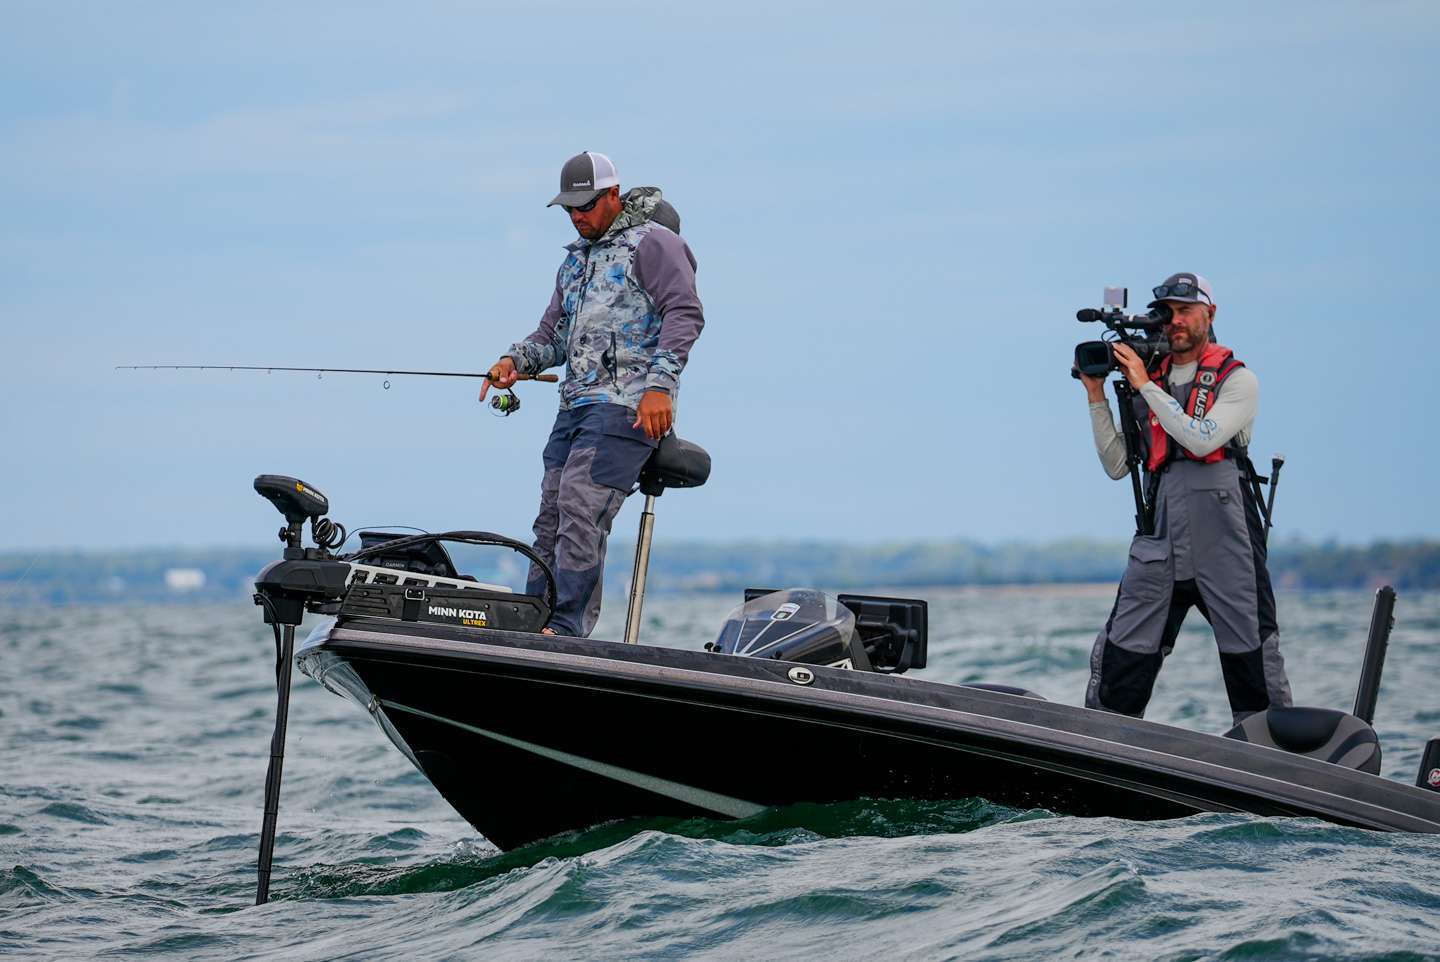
[1142, 333]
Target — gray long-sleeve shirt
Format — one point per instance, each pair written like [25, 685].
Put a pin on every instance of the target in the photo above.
[1231, 416]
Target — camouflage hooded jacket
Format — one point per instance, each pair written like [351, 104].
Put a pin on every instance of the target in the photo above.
[624, 313]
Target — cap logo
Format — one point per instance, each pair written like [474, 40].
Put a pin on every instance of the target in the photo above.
[580, 183]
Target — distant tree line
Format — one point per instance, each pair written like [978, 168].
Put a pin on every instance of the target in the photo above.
[731, 566]
[228, 574]
[1404, 564]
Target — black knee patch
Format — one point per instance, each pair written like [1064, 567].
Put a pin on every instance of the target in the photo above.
[1127, 678]
[1245, 680]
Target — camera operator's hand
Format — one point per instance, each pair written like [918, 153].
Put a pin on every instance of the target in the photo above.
[1131, 364]
[1094, 387]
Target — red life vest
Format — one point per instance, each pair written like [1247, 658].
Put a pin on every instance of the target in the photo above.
[1216, 364]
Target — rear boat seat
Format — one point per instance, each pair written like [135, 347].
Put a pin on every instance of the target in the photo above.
[1331, 736]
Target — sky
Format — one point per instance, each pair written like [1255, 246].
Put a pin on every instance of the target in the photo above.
[896, 209]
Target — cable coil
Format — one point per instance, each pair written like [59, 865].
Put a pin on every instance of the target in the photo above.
[327, 534]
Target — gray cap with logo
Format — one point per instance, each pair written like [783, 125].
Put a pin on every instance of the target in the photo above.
[583, 178]
[1190, 288]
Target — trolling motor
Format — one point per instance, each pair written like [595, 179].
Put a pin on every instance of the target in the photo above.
[368, 582]
[284, 589]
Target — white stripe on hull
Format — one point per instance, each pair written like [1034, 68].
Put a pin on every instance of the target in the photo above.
[699, 797]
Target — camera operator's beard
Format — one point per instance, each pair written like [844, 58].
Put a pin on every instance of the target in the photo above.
[1182, 339]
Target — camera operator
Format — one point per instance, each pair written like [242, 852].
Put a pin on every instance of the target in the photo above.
[1196, 411]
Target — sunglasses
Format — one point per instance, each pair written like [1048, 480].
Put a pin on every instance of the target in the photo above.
[1180, 289]
[587, 207]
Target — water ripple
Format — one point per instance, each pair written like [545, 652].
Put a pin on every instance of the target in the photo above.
[133, 831]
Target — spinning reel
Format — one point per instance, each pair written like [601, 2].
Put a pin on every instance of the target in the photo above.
[505, 404]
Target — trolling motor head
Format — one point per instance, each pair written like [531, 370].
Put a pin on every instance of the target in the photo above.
[305, 575]
[292, 497]
[298, 501]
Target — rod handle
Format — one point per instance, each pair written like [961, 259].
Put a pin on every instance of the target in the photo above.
[547, 378]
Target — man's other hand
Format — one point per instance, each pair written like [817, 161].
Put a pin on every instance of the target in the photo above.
[1131, 364]
[656, 414]
[1094, 387]
[502, 375]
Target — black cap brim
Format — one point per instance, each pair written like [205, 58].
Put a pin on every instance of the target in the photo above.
[576, 198]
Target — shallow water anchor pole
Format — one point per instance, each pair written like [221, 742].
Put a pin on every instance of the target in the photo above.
[1382, 620]
[642, 568]
[285, 657]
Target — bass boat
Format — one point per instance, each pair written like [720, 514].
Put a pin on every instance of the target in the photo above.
[801, 697]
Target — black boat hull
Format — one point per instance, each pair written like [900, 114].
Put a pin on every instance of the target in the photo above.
[528, 736]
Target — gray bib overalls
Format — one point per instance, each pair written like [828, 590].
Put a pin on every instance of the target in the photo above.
[1208, 551]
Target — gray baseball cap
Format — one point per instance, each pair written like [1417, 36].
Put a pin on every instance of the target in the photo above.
[583, 177]
[1190, 288]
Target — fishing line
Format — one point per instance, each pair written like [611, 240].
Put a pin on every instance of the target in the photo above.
[15, 585]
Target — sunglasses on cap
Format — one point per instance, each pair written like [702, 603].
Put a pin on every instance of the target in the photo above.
[586, 207]
[1179, 289]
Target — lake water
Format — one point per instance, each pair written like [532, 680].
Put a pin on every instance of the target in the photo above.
[133, 745]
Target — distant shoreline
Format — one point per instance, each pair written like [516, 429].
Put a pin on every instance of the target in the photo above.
[222, 574]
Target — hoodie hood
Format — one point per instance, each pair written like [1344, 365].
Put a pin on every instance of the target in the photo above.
[644, 204]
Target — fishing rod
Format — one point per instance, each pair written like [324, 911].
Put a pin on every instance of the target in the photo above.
[506, 404]
[548, 378]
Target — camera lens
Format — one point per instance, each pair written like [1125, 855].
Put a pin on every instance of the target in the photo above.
[1094, 358]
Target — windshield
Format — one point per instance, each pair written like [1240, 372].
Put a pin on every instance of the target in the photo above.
[798, 624]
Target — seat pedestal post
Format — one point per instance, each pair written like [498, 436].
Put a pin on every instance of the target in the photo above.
[642, 567]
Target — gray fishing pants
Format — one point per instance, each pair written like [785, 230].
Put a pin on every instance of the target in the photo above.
[1208, 551]
[592, 461]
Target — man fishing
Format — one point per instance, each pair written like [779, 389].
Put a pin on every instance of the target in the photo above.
[1208, 549]
[623, 317]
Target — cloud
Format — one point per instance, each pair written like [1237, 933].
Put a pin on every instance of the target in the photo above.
[436, 134]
